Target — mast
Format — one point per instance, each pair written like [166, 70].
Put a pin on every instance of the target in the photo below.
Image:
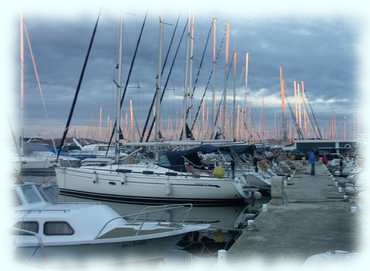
[158, 86]
[283, 105]
[21, 53]
[132, 122]
[188, 73]
[305, 113]
[299, 102]
[295, 103]
[235, 58]
[247, 114]
[119, 90]
[100, 123]
[227, 47]
[214, 41]
[191, 57]
[158, 83]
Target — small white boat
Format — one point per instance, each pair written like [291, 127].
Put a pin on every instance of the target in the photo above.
[38, 159]
[76, 230]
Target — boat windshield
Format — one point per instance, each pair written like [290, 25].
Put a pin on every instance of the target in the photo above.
[16, 200]
[31, 194]
[48, 193]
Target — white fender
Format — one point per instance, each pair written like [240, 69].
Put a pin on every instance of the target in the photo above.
[168, 187]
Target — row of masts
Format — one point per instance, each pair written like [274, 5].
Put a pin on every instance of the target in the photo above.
[262, 130]
[240, 123]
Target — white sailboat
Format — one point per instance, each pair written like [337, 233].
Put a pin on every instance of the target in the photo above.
[148, 182]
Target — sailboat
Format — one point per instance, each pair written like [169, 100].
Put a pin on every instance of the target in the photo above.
[149, 182]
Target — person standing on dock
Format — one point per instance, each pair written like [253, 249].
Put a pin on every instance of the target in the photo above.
[311, 161]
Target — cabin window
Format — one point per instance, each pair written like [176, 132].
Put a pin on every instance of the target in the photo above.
[57, 228]
[30, 194]
[31, 226]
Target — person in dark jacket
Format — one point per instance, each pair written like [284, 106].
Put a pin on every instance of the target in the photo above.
[312, 161]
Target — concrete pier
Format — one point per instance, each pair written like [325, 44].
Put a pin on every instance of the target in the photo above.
[313, 219]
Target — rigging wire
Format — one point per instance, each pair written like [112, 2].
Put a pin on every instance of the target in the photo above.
[65, 132]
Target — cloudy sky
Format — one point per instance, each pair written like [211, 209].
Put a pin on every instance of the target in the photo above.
[320, 52]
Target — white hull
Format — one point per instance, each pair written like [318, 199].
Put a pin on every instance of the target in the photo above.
[123, 187]
[112, 252]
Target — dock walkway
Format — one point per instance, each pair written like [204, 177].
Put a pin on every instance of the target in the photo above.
[314, 219]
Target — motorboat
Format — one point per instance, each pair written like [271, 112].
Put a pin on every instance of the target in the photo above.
[47, 230]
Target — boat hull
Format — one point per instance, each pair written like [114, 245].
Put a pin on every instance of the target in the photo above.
[120, 251]
[151, 188]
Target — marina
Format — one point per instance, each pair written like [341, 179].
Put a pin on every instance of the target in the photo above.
[200, 157]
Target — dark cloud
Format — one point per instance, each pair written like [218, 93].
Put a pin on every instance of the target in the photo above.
[319, 52]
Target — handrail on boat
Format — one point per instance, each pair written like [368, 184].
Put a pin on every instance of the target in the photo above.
[158, 173]
[149, 210]
[43, 210]
[155, 209]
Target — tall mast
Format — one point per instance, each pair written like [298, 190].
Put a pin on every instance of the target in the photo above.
[283, 105]
[191, 57]
[227, 48]
[188, 72]
[235, 57]
[21, 53]
[305, 113]
[132, 122]
[247, 114]
[295, 104]
[158, 82]
[299, 105]
[119, 90]
[157, 108]
[214, 41]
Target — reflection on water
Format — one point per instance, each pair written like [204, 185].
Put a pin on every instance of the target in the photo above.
[227, 222]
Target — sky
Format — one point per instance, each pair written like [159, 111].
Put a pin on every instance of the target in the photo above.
[320, 52]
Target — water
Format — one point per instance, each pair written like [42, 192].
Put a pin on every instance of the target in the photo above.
[227, 222]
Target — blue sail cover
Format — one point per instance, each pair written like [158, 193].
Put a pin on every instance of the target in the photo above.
[176, 158]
